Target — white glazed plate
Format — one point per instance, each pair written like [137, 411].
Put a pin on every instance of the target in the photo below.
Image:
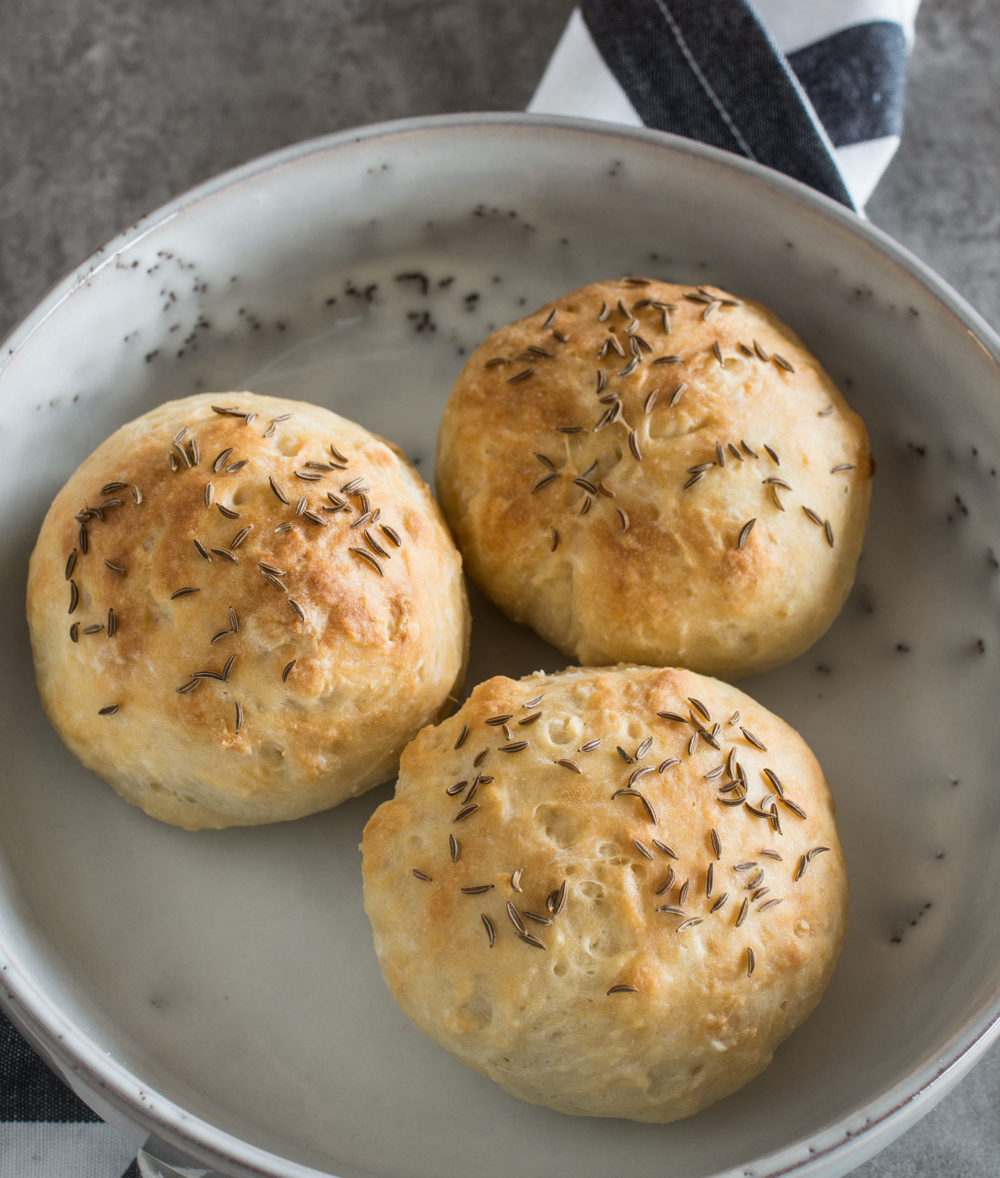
[220, 988]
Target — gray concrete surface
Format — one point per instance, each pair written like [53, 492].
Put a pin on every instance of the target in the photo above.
[110, 107]
[941, 194]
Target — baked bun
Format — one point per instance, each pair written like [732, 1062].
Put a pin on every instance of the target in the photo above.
[699, 499]
[639, 901]
[217, 632]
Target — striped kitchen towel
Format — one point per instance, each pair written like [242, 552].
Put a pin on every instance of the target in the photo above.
[46, 1131]
[812, 88]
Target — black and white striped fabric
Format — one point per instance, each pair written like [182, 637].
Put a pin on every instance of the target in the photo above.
[46, 1131]
[812, 88]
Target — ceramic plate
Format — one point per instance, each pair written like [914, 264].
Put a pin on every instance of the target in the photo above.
[220, 988]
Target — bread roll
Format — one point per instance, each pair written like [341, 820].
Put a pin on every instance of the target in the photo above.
[656, 474]
[242, 608]
[642, 897]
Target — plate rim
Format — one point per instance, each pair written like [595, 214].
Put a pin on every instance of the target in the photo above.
[75, 1052]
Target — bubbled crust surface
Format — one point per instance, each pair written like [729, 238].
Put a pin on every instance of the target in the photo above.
[541, 1022]
[666, 582]
[375, 656]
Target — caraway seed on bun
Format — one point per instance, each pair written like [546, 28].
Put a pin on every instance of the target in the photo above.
[242, 608]
[656, 474]
[613, 891]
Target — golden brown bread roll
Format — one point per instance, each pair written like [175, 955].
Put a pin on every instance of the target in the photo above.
[242, 608]
[642, 897]
[656, 474]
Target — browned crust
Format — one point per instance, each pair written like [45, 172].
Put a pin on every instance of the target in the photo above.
[542, 1023]
[378, 648]
[656, 573]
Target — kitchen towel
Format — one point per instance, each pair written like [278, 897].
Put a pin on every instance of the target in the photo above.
[812, 88]
[46, 1131]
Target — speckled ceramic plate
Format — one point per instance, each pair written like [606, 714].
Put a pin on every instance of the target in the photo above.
[219, 990]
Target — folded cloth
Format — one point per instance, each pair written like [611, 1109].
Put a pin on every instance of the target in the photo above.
[45, 1129]
[812, 88]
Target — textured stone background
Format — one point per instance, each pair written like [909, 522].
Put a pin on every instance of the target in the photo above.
[111, 107]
